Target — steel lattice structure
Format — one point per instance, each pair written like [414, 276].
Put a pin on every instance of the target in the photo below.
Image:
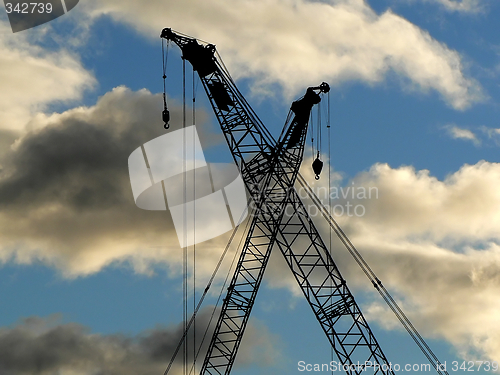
[269, 170]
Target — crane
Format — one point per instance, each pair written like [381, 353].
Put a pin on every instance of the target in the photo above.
[269, 169]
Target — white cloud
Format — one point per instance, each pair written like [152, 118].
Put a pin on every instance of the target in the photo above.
[466, 6]
[32, 77]
[435, 244]
[492, 133]
[436, 247]
[485, 134]
[459, 133]
[297, 43]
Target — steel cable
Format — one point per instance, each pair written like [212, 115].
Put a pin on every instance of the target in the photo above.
[401, 316]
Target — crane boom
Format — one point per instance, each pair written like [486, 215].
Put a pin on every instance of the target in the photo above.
[269, 170]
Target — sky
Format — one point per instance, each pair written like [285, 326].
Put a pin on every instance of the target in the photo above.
[91, 284]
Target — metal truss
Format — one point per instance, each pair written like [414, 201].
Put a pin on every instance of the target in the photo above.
[269, 170]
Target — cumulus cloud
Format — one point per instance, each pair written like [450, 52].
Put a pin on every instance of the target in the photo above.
[297, 43]
[33, 77]
[65, 200]
[456, 132]
[434, 244]
[439, 207]
[65, 194]
[45, 346]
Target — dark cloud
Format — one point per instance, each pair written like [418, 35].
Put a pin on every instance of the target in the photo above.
[7, 137]
[80, 157]
[65, 195]
[44, 346]
[38, 346]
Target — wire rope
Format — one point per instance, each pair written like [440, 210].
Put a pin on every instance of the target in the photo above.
[318, 141]
[328, 216]
[164, 58]
[194, 222]
[401, 316]
[223, 285]
[185, 249]
[312, 134]
[207, 288]
[328, 130]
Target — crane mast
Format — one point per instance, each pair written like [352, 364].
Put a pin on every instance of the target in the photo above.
[269, 169]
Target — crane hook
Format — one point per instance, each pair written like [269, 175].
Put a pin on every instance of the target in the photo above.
[317, 166]
[166, 118]
[165, 114]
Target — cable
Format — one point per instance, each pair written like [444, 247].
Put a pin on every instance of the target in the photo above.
[207, 288]
[345, 240]
[412, 331]
[223, 286]
[185, 249]
[164, 58]
[194, 225]
[312, 134]
[318, 142]
[194, 99]
[329, 197]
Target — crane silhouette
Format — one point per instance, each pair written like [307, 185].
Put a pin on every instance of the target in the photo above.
[269, 169]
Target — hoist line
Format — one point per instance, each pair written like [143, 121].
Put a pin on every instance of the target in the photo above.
[194, 98]
[318, 142]
[333, 225]
[185, 249]
[311, 126]
[194, 221]
[224, 284]
[207, 288]
[401, 316]
[328, 130]
[164, 58]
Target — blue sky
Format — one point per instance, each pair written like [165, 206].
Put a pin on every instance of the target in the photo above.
[415, 107]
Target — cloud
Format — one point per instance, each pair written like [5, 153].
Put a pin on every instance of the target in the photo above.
[484, 135]
[465, 6]
[458, 133]
[65, 194]
[434, 244]
[300, 43]
[33, 77]
[45, 346]
[492, 133]
[65, 200]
